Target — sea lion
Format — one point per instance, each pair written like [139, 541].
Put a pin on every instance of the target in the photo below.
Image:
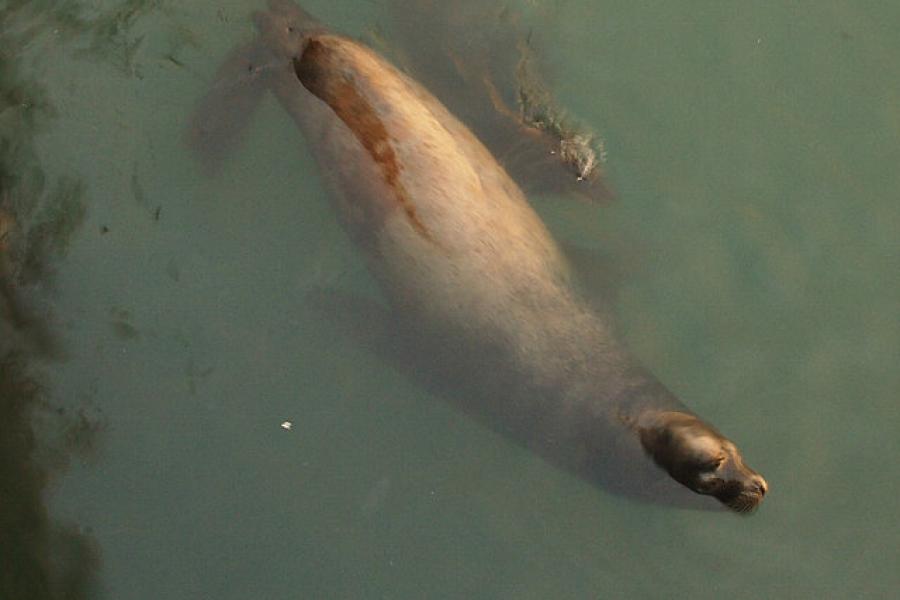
[470, 270]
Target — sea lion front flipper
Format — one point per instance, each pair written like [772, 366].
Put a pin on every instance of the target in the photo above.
[222, 114]
[365, 321]
[395, 340]
[565, 156]
[376, 328]
[598, 276]
[479, 60]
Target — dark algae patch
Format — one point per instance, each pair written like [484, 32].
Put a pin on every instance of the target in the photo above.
[39, 558]
[40, 215]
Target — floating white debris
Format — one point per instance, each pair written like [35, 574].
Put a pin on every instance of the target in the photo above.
[287, 425]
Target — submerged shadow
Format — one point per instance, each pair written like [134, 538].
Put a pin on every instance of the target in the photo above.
[480, 385]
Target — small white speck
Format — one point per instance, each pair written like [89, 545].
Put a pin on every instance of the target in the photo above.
[758, 41]
[287, 425]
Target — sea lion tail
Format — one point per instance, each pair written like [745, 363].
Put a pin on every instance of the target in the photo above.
[222, 114]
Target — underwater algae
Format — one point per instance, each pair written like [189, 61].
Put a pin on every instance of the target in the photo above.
[40, 215]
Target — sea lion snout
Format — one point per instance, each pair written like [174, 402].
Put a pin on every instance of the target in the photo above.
[702, 459]
[739, 487]
[759, 485]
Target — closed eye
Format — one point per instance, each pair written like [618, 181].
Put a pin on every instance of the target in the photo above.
[713, 464]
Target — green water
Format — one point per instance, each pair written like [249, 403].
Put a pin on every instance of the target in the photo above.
[755, 153]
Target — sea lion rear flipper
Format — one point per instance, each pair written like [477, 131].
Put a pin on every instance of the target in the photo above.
[479, 60]
[222, 114]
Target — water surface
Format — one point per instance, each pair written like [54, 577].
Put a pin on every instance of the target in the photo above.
[753, 150]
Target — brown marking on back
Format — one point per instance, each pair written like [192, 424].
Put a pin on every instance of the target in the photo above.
[317, 72]
[6, 230]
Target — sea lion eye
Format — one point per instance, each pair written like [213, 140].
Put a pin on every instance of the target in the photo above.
[711, 464]
[715, 463]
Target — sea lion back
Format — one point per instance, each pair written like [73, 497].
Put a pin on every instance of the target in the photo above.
[442, 224]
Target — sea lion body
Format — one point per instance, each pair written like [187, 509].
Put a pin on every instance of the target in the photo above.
[466, 262]
[443, 226]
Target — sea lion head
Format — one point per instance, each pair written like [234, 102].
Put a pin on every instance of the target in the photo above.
[702, 459]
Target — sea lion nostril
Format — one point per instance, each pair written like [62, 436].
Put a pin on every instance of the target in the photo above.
[761, 487]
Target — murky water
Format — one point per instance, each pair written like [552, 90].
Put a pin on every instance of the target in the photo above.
[156, 335]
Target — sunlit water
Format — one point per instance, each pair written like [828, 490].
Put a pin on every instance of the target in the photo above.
[754, 152]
